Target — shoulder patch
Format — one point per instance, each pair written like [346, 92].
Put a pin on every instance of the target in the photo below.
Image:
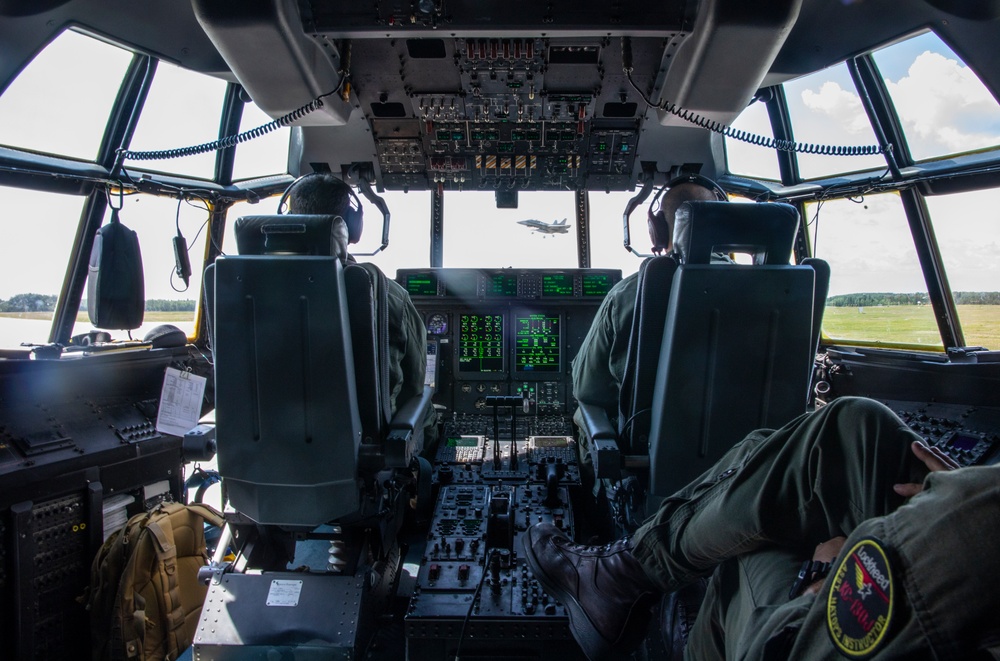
[861, 600]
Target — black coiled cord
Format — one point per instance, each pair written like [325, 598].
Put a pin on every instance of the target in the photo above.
[763, 140]
[232, 140]
[745, 136]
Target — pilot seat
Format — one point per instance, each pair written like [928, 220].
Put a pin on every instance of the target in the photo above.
[729, 349]
[309, 455]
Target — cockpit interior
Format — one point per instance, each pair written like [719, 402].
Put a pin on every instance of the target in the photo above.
[358, 526]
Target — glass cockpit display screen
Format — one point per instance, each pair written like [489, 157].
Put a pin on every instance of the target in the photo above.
[557, 284]
[480, 343]
[501, 284]
[596, 284]
[537, 344]
[421, 284]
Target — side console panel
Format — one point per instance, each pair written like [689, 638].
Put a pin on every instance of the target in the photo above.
[79, 453]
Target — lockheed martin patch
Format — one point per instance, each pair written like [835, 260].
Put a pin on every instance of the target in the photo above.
[859, 606]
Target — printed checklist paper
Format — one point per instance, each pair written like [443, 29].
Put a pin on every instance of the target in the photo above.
[180, 402]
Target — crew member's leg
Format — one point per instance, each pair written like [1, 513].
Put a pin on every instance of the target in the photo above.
[741, 595]
[816, 478]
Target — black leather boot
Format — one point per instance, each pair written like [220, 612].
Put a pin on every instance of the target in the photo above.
[604, 589]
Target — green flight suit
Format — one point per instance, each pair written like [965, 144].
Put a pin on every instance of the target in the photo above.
[762, 509]
[407, 346]
[407, 353]
[599, 365]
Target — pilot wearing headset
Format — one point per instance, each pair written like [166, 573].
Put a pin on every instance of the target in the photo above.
[599, 366]
[323, 193]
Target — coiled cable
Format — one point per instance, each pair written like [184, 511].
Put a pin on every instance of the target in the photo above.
[745, 136]
[231, 140]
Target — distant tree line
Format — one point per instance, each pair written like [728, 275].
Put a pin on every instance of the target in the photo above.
[28, 303]
[872, 299]
[167, 305]
[47, 303]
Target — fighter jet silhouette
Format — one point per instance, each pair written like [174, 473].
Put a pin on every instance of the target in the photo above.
[555, 227]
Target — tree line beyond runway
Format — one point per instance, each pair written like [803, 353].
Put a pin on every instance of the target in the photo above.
[47, 303]
[868, 299]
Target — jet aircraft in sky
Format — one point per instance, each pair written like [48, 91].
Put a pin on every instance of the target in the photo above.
[555, 227]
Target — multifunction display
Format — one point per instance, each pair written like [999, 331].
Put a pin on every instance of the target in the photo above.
[557, 284]
[502, 284]
[471, 284]
[422, 284]
[537, 343]
[596, 284]
[480, 343]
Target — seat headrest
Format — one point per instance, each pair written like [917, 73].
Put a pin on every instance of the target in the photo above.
[292, 234]
[765, 230]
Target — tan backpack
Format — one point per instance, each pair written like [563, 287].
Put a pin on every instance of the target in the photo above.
[144, 597]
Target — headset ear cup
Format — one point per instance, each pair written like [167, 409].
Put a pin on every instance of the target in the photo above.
[354, 218]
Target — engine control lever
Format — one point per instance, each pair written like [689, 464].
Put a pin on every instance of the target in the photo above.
[512, 402]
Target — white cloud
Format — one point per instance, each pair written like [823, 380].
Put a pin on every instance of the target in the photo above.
[944, 107]
[837, 103]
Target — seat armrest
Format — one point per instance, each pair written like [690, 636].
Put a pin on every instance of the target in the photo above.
[604, 453]
[413, 412]
[596, 423]
[406, 430]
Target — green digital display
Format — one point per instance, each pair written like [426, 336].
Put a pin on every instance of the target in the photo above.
[596, 284]
[536, 343]
[502, 284]
[557, 284]
[422, 284]
[480, 343]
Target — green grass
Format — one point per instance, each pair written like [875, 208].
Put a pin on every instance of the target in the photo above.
[911, 324]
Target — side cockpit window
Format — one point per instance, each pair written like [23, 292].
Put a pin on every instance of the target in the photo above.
[751, 160]
[183, 109]
[36, 246]
[877, 290]
[264, 155]
[942, 105]
[60, 102]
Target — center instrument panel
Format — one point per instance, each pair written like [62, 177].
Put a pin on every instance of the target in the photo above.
[500, 345]
[506, 332]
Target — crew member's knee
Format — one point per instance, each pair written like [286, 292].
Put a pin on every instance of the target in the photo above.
[869, 428]
[860, 410]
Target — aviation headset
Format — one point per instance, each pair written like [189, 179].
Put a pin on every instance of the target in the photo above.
[353, 214]
[655, 213]
[690, 178]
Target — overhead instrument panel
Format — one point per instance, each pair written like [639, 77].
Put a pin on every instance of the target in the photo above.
[483, 95]
[494, 16]
[504, 113]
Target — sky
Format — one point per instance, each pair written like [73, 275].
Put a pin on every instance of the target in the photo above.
[943, 107]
